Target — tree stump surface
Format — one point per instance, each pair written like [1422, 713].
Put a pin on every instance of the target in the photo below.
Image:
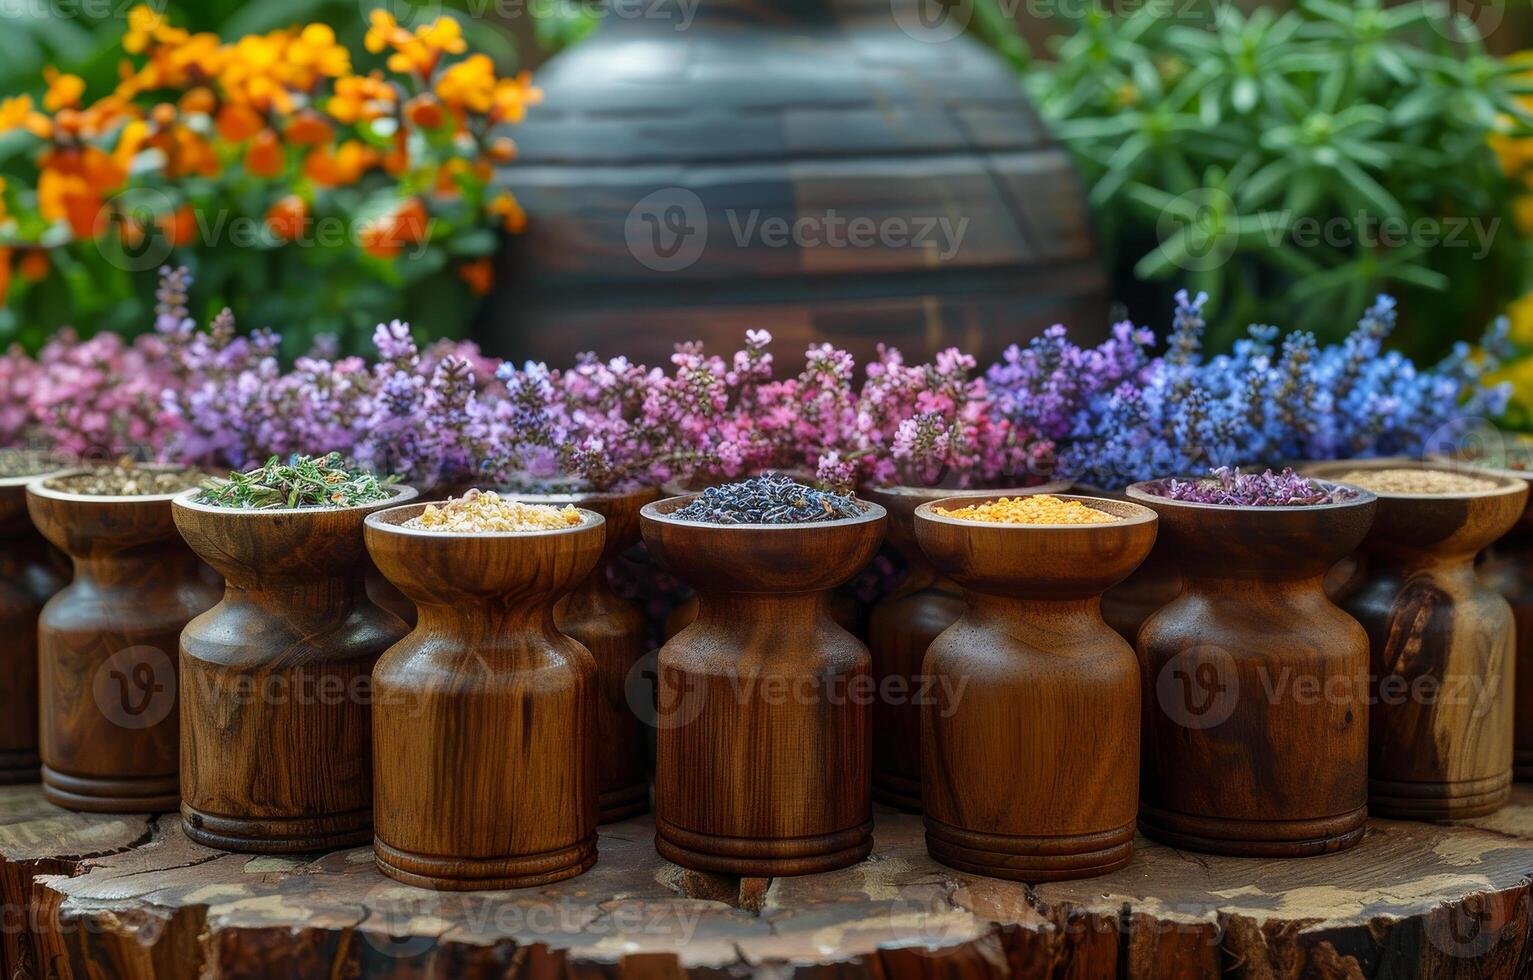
[132, 897]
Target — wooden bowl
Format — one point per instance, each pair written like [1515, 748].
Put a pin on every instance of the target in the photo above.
[1230, 767]
[901, 626]
[276, 713]
[484, 718]
[1031, 692]
[761, 769]
[1443, 649]
[107, 649]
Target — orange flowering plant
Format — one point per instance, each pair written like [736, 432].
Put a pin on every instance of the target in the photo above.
[298, 187]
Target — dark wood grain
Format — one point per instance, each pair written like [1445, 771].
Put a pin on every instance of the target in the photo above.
[107, 649]
[763, 750]
[901, 626]
[1027, 661]
[31, 571]
[484, 722]
[128, 898]
[1507, 567]
[1255, 684]
[613, 629]
[276, 680]
[1443, 651]
[779, 116]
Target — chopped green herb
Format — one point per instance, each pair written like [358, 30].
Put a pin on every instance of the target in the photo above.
[302, 481]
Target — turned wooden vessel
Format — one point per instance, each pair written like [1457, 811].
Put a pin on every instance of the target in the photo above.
[1443, 647]
[31, 571]
[276, 680]
[1255, 738]
[1507, 567]
[901, 626]
[484, 719]
[845, 608]
[107, 649]
[613, 629]
[764, 756]
[1031, 683]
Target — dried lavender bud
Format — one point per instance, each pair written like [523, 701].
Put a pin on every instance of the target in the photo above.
[127, 479]
[769, 500]
[1230, 488]
[303, 481]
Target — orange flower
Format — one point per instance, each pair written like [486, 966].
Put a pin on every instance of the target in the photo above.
[384, 32]
[340, 167]
[502, 149]
[407, 226]
[308, 128]
[288, 218]
[424, 111]
[513, 218]
[314, 54]
[17, 113]
[64, 90]
[68, 197]
[418, 52]
[237, 123]
[163, 115]
[360, 97]
[144, 24]
[513, 96]
[5, 271]
[34, 265]
[397, 161]
[468, 85]
[264, 158]
[199, 100]
[180, 226]
[479, 274]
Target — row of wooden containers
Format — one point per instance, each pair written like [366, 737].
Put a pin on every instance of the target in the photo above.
[481, 748]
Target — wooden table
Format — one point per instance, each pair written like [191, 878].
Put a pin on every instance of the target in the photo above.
[131, 897]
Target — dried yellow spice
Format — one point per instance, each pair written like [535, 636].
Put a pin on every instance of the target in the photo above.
[1039, 509]
[476, 512]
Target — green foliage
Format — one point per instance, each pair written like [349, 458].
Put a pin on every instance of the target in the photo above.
[1292, 165]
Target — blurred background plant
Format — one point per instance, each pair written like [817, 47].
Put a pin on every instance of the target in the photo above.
[1293, 164]
[225, 133]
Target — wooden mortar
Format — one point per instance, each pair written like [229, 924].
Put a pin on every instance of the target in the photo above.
[900, 628]
[484, 716]
[276, 713]
[107, 649]
[1443, 647]
[764, 754]
[1255, 738]
[1033, 684]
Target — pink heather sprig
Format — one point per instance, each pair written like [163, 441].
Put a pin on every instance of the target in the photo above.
[100, 397]
[928, 425]
[1229, 487]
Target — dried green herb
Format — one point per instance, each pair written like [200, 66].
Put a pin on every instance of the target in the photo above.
[302, 481]
[27, 462]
